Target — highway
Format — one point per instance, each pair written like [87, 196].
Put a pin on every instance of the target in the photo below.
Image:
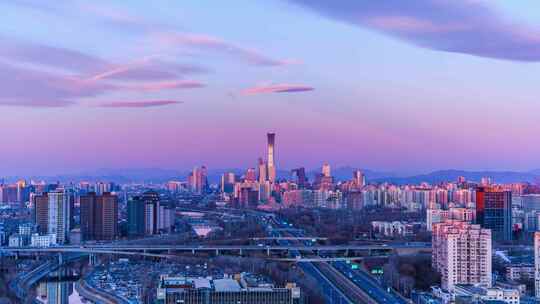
[331, 293]
[280, 247]
[368, 284]
[367, 289]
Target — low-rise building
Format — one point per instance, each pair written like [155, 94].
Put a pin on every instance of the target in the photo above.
[189, 290]
[16, 240]
[478, 294]
[42, 240]
[516, 272]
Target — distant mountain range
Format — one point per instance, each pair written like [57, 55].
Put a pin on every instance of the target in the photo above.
[452, 175]
[340, 174]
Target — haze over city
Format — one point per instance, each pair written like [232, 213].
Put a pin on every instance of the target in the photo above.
[270, 152]
[384, 85]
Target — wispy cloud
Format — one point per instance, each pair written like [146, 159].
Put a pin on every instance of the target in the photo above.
[148, 69]
[36, 75]
[165, 85]
[49, 56]
[30, 87]
[463, 26]
[139, 104]
[210, 43]
[277, 88]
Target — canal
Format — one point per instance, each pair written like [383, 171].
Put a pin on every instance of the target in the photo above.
[58, 287]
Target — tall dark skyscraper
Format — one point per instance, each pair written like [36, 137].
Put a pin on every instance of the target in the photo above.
[299, 175]
[135, 210]
[494, 211]
[41, 212]
[107, 219]
[271, 165]
[88, 214]
[99, 216]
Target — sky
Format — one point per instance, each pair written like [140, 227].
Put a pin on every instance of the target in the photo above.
[401, 86]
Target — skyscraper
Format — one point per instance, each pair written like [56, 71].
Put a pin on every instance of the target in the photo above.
[59, 217]
[271, 165]
[251, 175]
[227, 182]
[461, 253]
[107, 216]
[198, 180]
[494, 211]
[359, 179]
[41, 212]
[262, 175]
[99, 216]
[537, 264]
[151, 212]
[135, 216]
[88, 213]
[326, 170]
[300, 177]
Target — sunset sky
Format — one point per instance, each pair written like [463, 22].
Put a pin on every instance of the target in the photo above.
[403, 86]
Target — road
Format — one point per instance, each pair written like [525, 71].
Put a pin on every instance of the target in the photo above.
[368, 284]
[331, 293]
[364, 283]
[153, 248]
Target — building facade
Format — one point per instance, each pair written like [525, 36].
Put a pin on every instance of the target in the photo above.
[461, 253]
[494, 211]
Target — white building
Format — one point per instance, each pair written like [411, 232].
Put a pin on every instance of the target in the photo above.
[59, 215]
[508, 295]
[16, 240]
[462, 254]
[516, 272]
[42, 240]
[439, 215]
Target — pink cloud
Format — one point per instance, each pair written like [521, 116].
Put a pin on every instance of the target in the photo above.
[412, 25]
[139, 104]
[277, 88]
[31, 87]
[211, 43]
[165, 85]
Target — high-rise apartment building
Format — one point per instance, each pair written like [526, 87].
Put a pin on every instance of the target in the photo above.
[99, 216]
[88, 216]
[537, 264]
[107, 219]
[146, 215]
[227, 182]
[261, 174]
[198, 180]
[454, 213]
[494, 211]
[151, 212]
[59, 215]
[41, 212]
[461, 254]
[135, 209]
[271, 165]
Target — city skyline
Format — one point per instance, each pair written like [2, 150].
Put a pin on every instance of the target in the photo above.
[177, 85]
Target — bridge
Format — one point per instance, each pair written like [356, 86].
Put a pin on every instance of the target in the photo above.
[289, 238]
[146, 249]
[326, 259]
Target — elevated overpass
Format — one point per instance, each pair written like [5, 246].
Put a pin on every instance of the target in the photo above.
[147, 249]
